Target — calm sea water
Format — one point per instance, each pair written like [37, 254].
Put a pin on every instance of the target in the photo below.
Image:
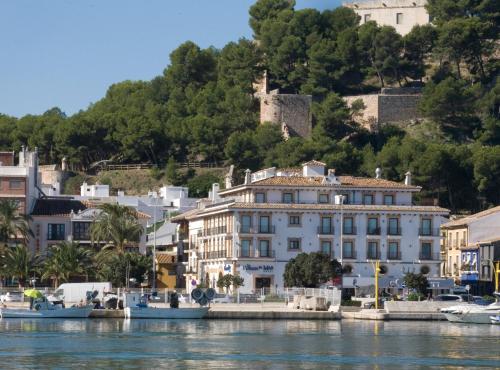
[246, 344]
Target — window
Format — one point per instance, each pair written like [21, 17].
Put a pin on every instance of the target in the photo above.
[245, 248]
[260, 197]
[393, 251]
[288, 198]
[324, 198]
[399, 18]
[388, 199]
[368, 199]
[326, 226]
[393, 227]
[264, 224]
[326, 247]
[426, 227]
[294, 220]
[56, 232]
[426, 251]
[264, 250]
[372, 252]
[368, 17]
[373, 226]
[294, 244]
[349, 226]
[15, 184]
[246, 223]
[348, 249]
[81, 230]
[345, 198]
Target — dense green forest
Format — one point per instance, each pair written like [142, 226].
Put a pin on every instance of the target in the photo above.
[202, 107]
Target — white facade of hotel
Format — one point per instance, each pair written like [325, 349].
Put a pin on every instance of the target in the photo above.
[254, 229]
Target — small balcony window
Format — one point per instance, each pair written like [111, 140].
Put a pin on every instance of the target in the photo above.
[56, 232]
[294, 220]
[393, 251]
[288, 198]
[372, 252]
[246, 223]
[388, 199]
[348, 227]
[324, 199]
[260, 197]
[294, 244]
[368, 199]
[245, 248]
[348, 249]
[326, 247]
[373, 228]
[264, 248]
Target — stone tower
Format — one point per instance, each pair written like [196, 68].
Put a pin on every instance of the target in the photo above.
[292, 112]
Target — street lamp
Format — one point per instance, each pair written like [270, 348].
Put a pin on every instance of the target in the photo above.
[154, 198]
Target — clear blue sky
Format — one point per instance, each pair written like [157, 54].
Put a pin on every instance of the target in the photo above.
[66, 53]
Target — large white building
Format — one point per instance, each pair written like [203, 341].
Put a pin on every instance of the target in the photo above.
[255, 228]
[403, 15]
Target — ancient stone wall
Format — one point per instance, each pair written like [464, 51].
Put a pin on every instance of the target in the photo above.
[391, 105]
[292, 112]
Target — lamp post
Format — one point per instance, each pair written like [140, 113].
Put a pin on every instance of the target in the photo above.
[154, 199]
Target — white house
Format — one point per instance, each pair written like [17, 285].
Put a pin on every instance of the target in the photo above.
[257, 227]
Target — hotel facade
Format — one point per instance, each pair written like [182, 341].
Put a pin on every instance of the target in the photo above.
[254, 229]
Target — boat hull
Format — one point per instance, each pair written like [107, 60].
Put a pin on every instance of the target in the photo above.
[64, 313]
[470, 317]
[165, 313]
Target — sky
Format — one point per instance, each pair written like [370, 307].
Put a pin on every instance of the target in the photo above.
[66, 53]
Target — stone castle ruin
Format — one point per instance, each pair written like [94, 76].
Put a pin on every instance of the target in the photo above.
[398, 104]
[292, 112]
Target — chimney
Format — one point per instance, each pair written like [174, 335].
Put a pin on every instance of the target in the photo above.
[215, 192]
[378, 173]
[248, 177]
[408, 178]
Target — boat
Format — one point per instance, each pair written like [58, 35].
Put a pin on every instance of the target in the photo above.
[136, 307]
[43, 308]
[495, 319]
[473, 313]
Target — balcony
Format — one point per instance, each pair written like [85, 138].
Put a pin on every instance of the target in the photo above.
[325, 230]
[349, 230]
[214, 231]
[53, 237]
[395, 231]
[243, 229]
[373, 255]
[373, 231]
[256, 254]
[428, 232]
[266, 229]
[394, 256]
[429, 256]
[213, 255]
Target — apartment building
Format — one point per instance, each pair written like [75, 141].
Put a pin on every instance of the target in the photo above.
[469, 248]
[20, 182]
[400, 14]
[255, 228]
[58, 219]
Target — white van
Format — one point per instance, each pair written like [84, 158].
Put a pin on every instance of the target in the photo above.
[76, 292]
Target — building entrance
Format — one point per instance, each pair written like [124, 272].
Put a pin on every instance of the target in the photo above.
[262, 282]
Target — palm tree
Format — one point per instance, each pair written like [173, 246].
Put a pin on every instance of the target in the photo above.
[18, 262]
[116, 226]
[67, 260]
[12, 224]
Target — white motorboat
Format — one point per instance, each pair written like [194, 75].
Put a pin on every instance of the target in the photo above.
[42, 308]
[472, 313]
[136, 307]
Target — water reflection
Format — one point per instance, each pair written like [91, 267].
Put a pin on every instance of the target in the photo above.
[107, 343]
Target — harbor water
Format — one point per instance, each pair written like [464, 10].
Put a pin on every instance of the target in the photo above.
[251, 344]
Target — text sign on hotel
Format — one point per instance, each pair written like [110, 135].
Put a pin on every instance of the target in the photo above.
[265, 268]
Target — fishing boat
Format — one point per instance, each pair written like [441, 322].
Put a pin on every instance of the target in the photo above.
[42, 308]
[136, 307]
[473, 313]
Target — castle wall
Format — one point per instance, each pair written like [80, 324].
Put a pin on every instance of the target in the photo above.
[400, 14]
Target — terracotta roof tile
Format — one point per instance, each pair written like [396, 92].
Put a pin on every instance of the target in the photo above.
[345, 181]
[314, 163]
